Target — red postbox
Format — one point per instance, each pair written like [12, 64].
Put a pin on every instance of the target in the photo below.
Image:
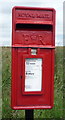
[33, 43]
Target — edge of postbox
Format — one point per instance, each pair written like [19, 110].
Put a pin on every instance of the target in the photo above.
[30, 107]
[34, 8]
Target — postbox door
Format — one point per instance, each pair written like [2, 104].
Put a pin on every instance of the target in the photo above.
[34, 97]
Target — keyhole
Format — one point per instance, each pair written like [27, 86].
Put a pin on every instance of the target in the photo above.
[21, 76]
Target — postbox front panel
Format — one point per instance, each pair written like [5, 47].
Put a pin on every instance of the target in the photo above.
[32, 58]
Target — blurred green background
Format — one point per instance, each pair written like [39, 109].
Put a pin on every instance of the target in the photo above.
[56, 112]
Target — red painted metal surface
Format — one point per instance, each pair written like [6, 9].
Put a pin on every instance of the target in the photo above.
[32, 28]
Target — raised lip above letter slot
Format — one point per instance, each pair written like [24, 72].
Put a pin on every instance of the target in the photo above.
[34, 22]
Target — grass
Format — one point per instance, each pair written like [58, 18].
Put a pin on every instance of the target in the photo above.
[56, 112]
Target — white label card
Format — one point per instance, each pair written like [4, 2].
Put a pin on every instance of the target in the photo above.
[33, 74]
